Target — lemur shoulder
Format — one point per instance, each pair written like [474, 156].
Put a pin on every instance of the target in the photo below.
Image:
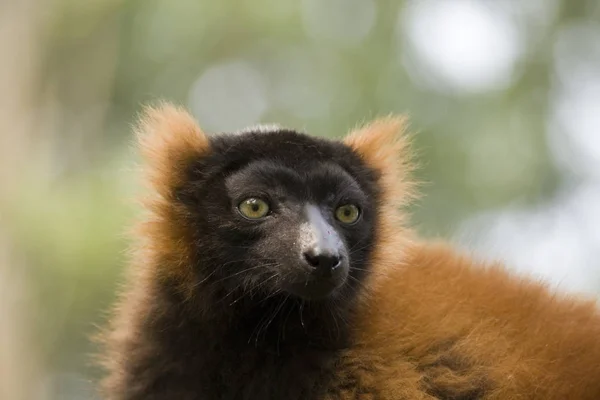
[277, 265]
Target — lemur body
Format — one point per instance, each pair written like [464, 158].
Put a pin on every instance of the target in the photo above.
[275, 265]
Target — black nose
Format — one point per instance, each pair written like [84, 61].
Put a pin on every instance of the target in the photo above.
[325, 264]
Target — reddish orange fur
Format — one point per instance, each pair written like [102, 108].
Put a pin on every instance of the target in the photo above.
[431, 317]
[439, 308]
[438, 318]
[168, 139]
[384, 146]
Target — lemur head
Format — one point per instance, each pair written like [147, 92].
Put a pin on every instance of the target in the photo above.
[270, 211]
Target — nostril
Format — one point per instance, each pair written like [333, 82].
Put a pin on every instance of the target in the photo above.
[311, 259]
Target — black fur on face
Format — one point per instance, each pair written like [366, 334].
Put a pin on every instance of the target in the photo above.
[299, 249]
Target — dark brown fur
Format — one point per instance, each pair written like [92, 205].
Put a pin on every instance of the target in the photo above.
[431, 322]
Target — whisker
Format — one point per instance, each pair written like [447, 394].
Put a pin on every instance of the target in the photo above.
[259, 324]
[301, 319]
[249, 291]
[237, 273]
[337, 326]
[284, 323]
[264, 327]
[362, 285]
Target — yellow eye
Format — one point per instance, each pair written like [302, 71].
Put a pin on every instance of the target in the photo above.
[348, 214]
[253, 208]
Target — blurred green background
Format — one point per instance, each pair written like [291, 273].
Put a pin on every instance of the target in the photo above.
[504, 96]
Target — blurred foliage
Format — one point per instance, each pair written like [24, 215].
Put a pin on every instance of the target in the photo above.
[92, 64]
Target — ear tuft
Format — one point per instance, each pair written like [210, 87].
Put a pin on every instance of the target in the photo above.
[385, 147]
[169, 139]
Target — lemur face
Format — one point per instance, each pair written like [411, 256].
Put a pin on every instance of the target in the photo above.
[282, 212]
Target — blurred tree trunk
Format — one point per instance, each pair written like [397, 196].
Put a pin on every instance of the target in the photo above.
[21, 376]
[19, 71]
[20, 369]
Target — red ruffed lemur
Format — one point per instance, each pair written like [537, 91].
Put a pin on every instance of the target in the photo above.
[276, 265]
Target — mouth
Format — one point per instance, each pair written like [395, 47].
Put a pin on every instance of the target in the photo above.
[314, 288]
